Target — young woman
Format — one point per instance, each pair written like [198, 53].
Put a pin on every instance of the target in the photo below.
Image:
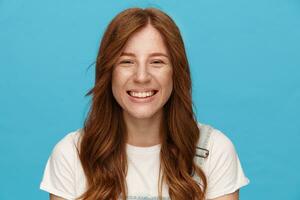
[140, 137]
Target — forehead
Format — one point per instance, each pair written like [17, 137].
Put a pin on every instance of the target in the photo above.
[146, 41]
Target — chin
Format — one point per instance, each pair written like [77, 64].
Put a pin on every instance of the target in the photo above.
[143, 114]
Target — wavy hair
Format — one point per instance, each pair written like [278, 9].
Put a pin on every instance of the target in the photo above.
[102, 149]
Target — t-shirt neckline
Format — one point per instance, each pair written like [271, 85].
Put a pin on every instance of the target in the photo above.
[142, 150]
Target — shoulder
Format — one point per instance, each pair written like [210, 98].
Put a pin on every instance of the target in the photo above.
[68, 143]
[222, 167]
[60, 171]
[64, 154]
[218, 143]
[222, 153]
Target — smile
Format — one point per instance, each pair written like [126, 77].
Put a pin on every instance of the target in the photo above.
[142, 97]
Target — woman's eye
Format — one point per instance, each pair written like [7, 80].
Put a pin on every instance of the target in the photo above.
[126, 62]
[157, 62]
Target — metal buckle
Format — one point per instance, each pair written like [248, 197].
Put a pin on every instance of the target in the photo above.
[205, 154]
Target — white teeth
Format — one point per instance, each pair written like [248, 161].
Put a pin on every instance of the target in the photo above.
[141, 94]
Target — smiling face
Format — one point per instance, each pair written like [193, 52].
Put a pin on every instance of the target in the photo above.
[142, 77]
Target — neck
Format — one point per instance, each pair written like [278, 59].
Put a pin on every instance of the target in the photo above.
[143, 132]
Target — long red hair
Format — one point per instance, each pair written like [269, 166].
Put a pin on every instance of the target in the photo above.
[102, 149]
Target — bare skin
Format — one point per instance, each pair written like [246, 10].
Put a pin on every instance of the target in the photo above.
[143, 66]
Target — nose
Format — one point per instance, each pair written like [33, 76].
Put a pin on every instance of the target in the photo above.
[142, 74]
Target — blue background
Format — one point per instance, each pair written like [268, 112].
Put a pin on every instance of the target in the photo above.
[244, 58]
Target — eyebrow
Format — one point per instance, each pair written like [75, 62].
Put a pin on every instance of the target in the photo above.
[152, 54]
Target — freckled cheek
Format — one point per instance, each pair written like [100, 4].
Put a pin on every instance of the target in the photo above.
[166, 80]
[119, 80]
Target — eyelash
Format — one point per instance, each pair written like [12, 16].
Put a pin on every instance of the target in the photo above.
[158, 61]
[125, 62]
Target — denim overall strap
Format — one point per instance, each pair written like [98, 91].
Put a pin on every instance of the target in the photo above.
[201, 150]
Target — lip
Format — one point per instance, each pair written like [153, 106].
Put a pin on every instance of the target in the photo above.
[143, 90]
[142, 100]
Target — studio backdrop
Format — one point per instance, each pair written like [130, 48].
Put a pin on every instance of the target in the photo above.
[245, 64]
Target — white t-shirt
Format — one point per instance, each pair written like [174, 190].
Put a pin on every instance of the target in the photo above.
[64, 176]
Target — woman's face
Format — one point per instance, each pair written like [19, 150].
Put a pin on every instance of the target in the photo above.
[142, 76]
